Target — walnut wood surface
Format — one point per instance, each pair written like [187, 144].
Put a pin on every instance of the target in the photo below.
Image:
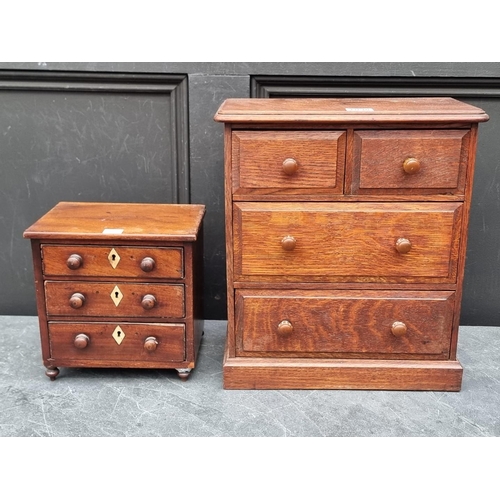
[95, 261]
[102, 346]
[343, 322]
[122, 221]
[258, 159]
[98, 301]
[355, 240]
[175, 319]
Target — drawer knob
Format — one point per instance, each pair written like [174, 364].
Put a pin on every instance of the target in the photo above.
[74, 261]
[403, 245]
[150, 344]
[290, 166]
[77, 300]
[288, 243]
[81, 341]
[285, 327]
[148, 264]
[411, 165]
[398, 329]
[148, 301]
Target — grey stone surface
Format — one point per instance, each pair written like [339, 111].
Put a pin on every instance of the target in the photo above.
[143, 403]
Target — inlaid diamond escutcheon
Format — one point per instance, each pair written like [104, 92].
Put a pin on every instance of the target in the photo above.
[113, 258]
[116, 295]
[118, 334]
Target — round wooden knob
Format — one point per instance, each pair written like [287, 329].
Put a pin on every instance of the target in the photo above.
[147, 264]
[403, 245]
[411, 165]
[148, 301]
[290, 166]
[150, 344]
[77, 300]
[288, 243]
[398, 329]
[81, 341]
[285, 327]
[74, 261]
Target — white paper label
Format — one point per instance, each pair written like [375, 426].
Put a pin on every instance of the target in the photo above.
[360, 110]
[112, 231]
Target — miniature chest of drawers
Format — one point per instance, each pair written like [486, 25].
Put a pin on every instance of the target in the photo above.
[119, 285]
[346, 233]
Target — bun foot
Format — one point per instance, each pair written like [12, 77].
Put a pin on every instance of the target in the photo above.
[183, 373]
[52, 372]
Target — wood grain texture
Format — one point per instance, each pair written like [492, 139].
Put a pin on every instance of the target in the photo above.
[317, 273]
[300, 373]
[102, 346]
[343, 322]
[159, 302]
[354, 240]
[258, 159]
[154, 222]
[98, 301]
[348, 110]
[379, 157]
[168, 262]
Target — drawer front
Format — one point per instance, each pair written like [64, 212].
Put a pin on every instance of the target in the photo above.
[402, 161]
[71, 298]
[108, 261]
[114, 342]
[291, 161]
[351, 321]
[402, 242]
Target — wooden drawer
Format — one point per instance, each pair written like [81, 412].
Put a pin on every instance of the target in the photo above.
[405, 161]
[116, 261]
[64, 298]
[352, 321]
[102, 349]
[288, 161]
[380, 242]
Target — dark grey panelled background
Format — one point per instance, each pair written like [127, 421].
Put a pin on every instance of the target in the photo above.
[144, 132]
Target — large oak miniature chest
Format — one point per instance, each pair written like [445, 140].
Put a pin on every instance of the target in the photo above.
[119, 285]
[346, 232]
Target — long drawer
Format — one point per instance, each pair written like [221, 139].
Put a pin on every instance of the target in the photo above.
[111, 342]
[378, 242]
[71, 298]
[120, 261]
[375, 322]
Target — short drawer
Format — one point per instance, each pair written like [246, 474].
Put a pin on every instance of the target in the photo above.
[406, 161]
[85, 298]
[352, 321]
[379, 242]
[107, 261]
[112, 342]
[288, 161]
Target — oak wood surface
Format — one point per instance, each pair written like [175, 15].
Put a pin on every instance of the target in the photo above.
[343, 322]
[348, 110]
[408, 170]
[347, 240]
[258, 159]
[379, 157]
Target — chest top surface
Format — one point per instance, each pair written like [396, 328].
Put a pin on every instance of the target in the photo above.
[119, 221]
[349, 110]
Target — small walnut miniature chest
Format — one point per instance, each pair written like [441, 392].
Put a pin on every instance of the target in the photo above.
[119, 285]
[346, 232]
